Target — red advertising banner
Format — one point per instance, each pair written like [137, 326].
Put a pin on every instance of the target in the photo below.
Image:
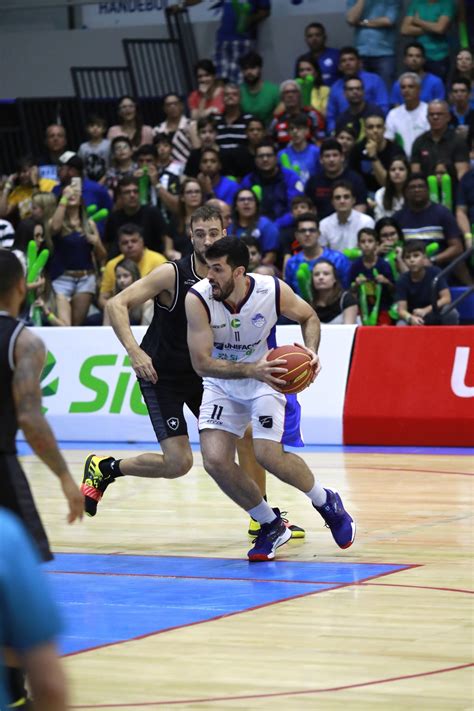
[411, 386]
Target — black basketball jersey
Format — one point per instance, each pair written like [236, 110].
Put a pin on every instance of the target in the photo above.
[9, 331]
[166, 338]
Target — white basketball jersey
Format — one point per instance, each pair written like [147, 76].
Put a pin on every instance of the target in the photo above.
[247, 333]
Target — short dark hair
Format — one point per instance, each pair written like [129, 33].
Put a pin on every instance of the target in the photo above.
[307, 217]
[204, 121]
[346, 184]
[416, 176]
[349, 50]
[251, 59]
[127, 180]
[368, 231]
[11, 271]
[299, 120]
[233, 249]
[162, 138]
[206, 65]
[389, 222]
[96, 119]
[316, 26]
[147, 149]
[120, 139]
[460, 80]
[206, 213]
[210, 150]
[354, 78]
[254, 119]
[414, 45]
[252, 242]
[301, 200]
[330, 144]
[266, 143]
[414, 245]
[129, 229]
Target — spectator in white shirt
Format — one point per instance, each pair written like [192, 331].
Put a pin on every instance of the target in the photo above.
[339, 230]
[409, 120]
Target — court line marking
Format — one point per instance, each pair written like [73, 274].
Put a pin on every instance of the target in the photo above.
[277, 694]
[401, 468]
[417, 587]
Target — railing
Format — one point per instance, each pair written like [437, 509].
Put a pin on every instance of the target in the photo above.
[156, 67]
[444, 273]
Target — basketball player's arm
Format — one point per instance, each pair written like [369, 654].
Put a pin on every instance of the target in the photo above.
[29, 362]
[295, 308]
[201, 343]
[160, 281]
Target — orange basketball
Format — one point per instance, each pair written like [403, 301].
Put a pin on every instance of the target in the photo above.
[299, 373]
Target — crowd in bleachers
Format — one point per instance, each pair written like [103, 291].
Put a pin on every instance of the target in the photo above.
[353, 181]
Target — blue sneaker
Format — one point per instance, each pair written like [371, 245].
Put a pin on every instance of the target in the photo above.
[271, 536]
[342, 525]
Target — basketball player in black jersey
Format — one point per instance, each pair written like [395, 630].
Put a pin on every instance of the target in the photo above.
[22, 357]
[163, 366]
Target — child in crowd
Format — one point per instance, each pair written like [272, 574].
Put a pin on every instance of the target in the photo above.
[299, 155]
[127, 272]
[367, 272]
[95, 152]
[122, 163]
[390, 245]
[289, 244]
[255, 252]
[413, 291]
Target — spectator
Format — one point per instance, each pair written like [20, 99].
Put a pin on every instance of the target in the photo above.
[122, 163]
[375, 91]
[208, 98]
[390, 239]
[255, 253]
[358, 109]
[207, 135]
[339, 230]
[372, 156]
[163, 181]
[319, 93]
[95, 153]
[247, 222]
[370, 269]
[126, 273]
[430, 222]
[319, 188]
[132, 248]
[465, 206]
[71, 168]
[16, 196]
[190, 198]
[177, 126]
[31, 621]
[56, 142]
[375, 35]
[431, 86]
[331, 302]
[465, 69]
[231, 124]
[429, 21]
[346, 137]
[130, 124]
[390, 198]
[45, 303]
[277, 185]
[292, 105]
[462, 115]
[327, 57]
[405, 123]
[77, 244]
[214, 184]
[155, 231]
[163, 156]
[307, 234]
[440, 144]
[242, 161]
[414, 288]
[288, 243]
[257, 96]
[299, 155]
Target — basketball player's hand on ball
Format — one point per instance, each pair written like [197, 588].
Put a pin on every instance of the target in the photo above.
[315, 362]
[268, 371]
[143, 366]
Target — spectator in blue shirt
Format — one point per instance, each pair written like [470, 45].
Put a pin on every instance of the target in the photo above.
[375, 89]
[247, 222]
[278, 186]
[214, 184]
[327, 57]
[375, 36]
[307, 234]
[299, 155]
[431, 87]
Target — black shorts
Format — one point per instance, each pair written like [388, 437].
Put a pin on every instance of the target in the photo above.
[165, 402]
[16, 496]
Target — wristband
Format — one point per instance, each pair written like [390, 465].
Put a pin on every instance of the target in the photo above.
[51, 317]
[468, 235]
[63, 201]
[7, 186]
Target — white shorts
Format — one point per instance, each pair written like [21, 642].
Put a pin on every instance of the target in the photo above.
[221, 411]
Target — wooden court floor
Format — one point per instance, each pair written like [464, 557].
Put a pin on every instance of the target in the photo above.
[399, 641]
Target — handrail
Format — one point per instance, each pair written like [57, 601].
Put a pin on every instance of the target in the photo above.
[434, 286]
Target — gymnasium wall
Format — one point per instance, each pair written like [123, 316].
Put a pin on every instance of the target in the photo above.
[378, 386]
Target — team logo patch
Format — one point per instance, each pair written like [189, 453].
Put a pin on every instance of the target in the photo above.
[259, 320]
[173, 423]
[235, 323]
[266, 421]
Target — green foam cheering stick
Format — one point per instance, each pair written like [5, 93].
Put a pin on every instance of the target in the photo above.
[447, 191]
[95, 214]
[257, 191]
[306, 85]
[35, 264]
[370, 318]
[286, 163]
[303, 277]
[353, 253]
[433, 188]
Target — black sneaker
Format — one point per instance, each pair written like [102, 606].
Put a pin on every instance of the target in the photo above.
[94, 482]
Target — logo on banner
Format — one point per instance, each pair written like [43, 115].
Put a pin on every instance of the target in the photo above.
[52, 387]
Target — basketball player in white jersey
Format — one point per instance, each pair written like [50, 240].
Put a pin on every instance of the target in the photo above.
[231, 327]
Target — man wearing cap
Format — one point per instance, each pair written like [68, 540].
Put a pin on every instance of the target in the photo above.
[93, 193]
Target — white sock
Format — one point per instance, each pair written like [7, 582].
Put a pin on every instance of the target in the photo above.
[263, 513]
[317, 494]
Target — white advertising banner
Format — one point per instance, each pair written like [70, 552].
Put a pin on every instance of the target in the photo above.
[90, 392]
